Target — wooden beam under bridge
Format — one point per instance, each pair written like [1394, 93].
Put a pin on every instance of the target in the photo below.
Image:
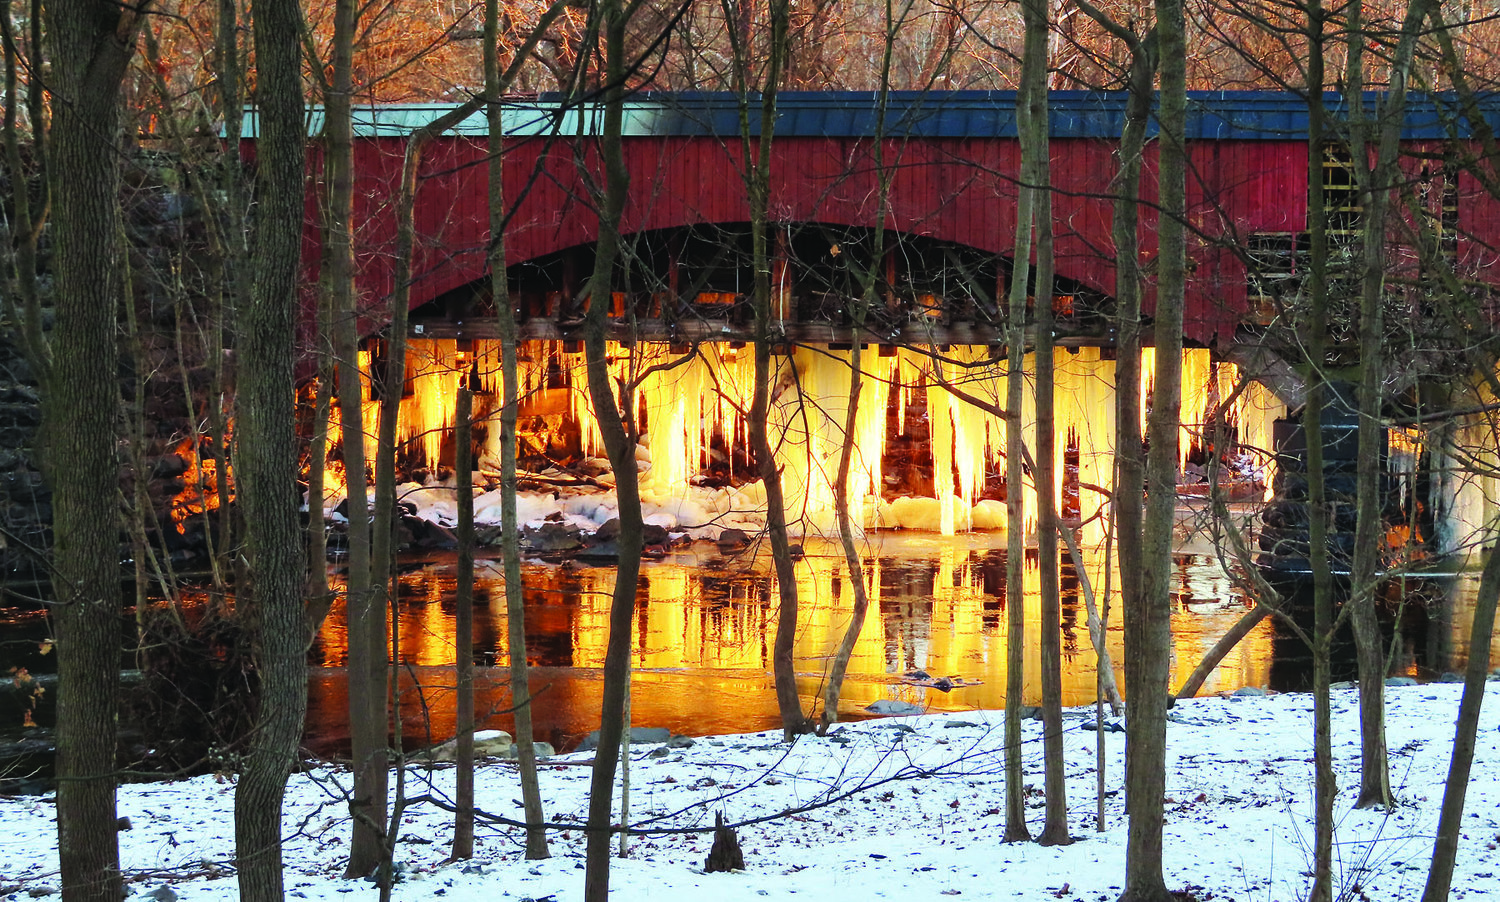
[702, 331]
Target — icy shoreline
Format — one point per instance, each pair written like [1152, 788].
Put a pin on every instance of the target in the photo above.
[906, 808]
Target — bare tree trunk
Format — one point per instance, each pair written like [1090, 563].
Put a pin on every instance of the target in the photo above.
[510, 536]
[386, 674]
[366, 614]
[1125, 227]
[852, 563]
[267, 459]
[1325, 782]
[859, 312]
[757, 182]
[463, 626]
[1108, 690]
[619, 444]
[1226, 644]
[1015, 491]
[317, 471]
[1036, 145]
[1148, 637]
[625, 769]
[1100, 663]
[1449, 829]
[234, 277]
[1376, 186]
[91, 43]
[24, 308]
[1375, 782]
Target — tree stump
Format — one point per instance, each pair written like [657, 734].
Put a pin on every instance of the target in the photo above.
[725, 854]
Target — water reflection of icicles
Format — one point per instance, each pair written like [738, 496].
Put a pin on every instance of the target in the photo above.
[699, 613]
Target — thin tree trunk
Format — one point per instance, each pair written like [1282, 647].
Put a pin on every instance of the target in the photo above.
[852, 562]
[368, 718]
[510, 535]
[1226, 644]
[1100, 759]
[758, 175]
[91, 44]
[1325, 782]
[1127, 513]
[317, 471]
[1108, 689]
[1450, 818]
[1378, 182]
[1036, 145]
[463, 626]
[619, 443]
[25, 307]
[385, 675]
[267, 459]
[859, 312]
[1375, 782]
[625, 771]
[1148, 636]
[1015, 491]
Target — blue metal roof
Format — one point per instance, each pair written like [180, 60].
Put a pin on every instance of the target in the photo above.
[1212, 115]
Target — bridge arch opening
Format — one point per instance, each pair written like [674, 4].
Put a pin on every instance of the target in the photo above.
[674, 282]
[929, 437]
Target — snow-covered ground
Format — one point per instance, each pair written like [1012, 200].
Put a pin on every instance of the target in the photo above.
[901, 808]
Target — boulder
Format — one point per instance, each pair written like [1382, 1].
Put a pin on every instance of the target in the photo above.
[638, 736]
[542, 749]
[487, 744]
[1110, 726]
[1400, 681]
[894, 706]
[733, 540]
[554, 536]
[593, 466]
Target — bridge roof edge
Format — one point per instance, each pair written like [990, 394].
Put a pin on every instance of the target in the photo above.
[1213, 115]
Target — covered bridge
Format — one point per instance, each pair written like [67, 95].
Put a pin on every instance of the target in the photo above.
[952, 160]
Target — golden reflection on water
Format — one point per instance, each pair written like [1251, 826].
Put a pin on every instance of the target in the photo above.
[704, 625]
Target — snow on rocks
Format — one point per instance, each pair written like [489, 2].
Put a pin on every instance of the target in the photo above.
[697, 512]
[905, 808]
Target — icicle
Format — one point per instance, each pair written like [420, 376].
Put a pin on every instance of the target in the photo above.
[685, 407]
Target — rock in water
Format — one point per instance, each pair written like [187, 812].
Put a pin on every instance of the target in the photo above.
[553, 536]
[725, 854]
[894, 706]
[733, 539]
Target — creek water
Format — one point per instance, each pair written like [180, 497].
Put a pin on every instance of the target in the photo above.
[704, 624]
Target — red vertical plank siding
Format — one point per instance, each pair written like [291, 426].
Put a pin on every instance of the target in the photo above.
[1478, 222]
[952, 189]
